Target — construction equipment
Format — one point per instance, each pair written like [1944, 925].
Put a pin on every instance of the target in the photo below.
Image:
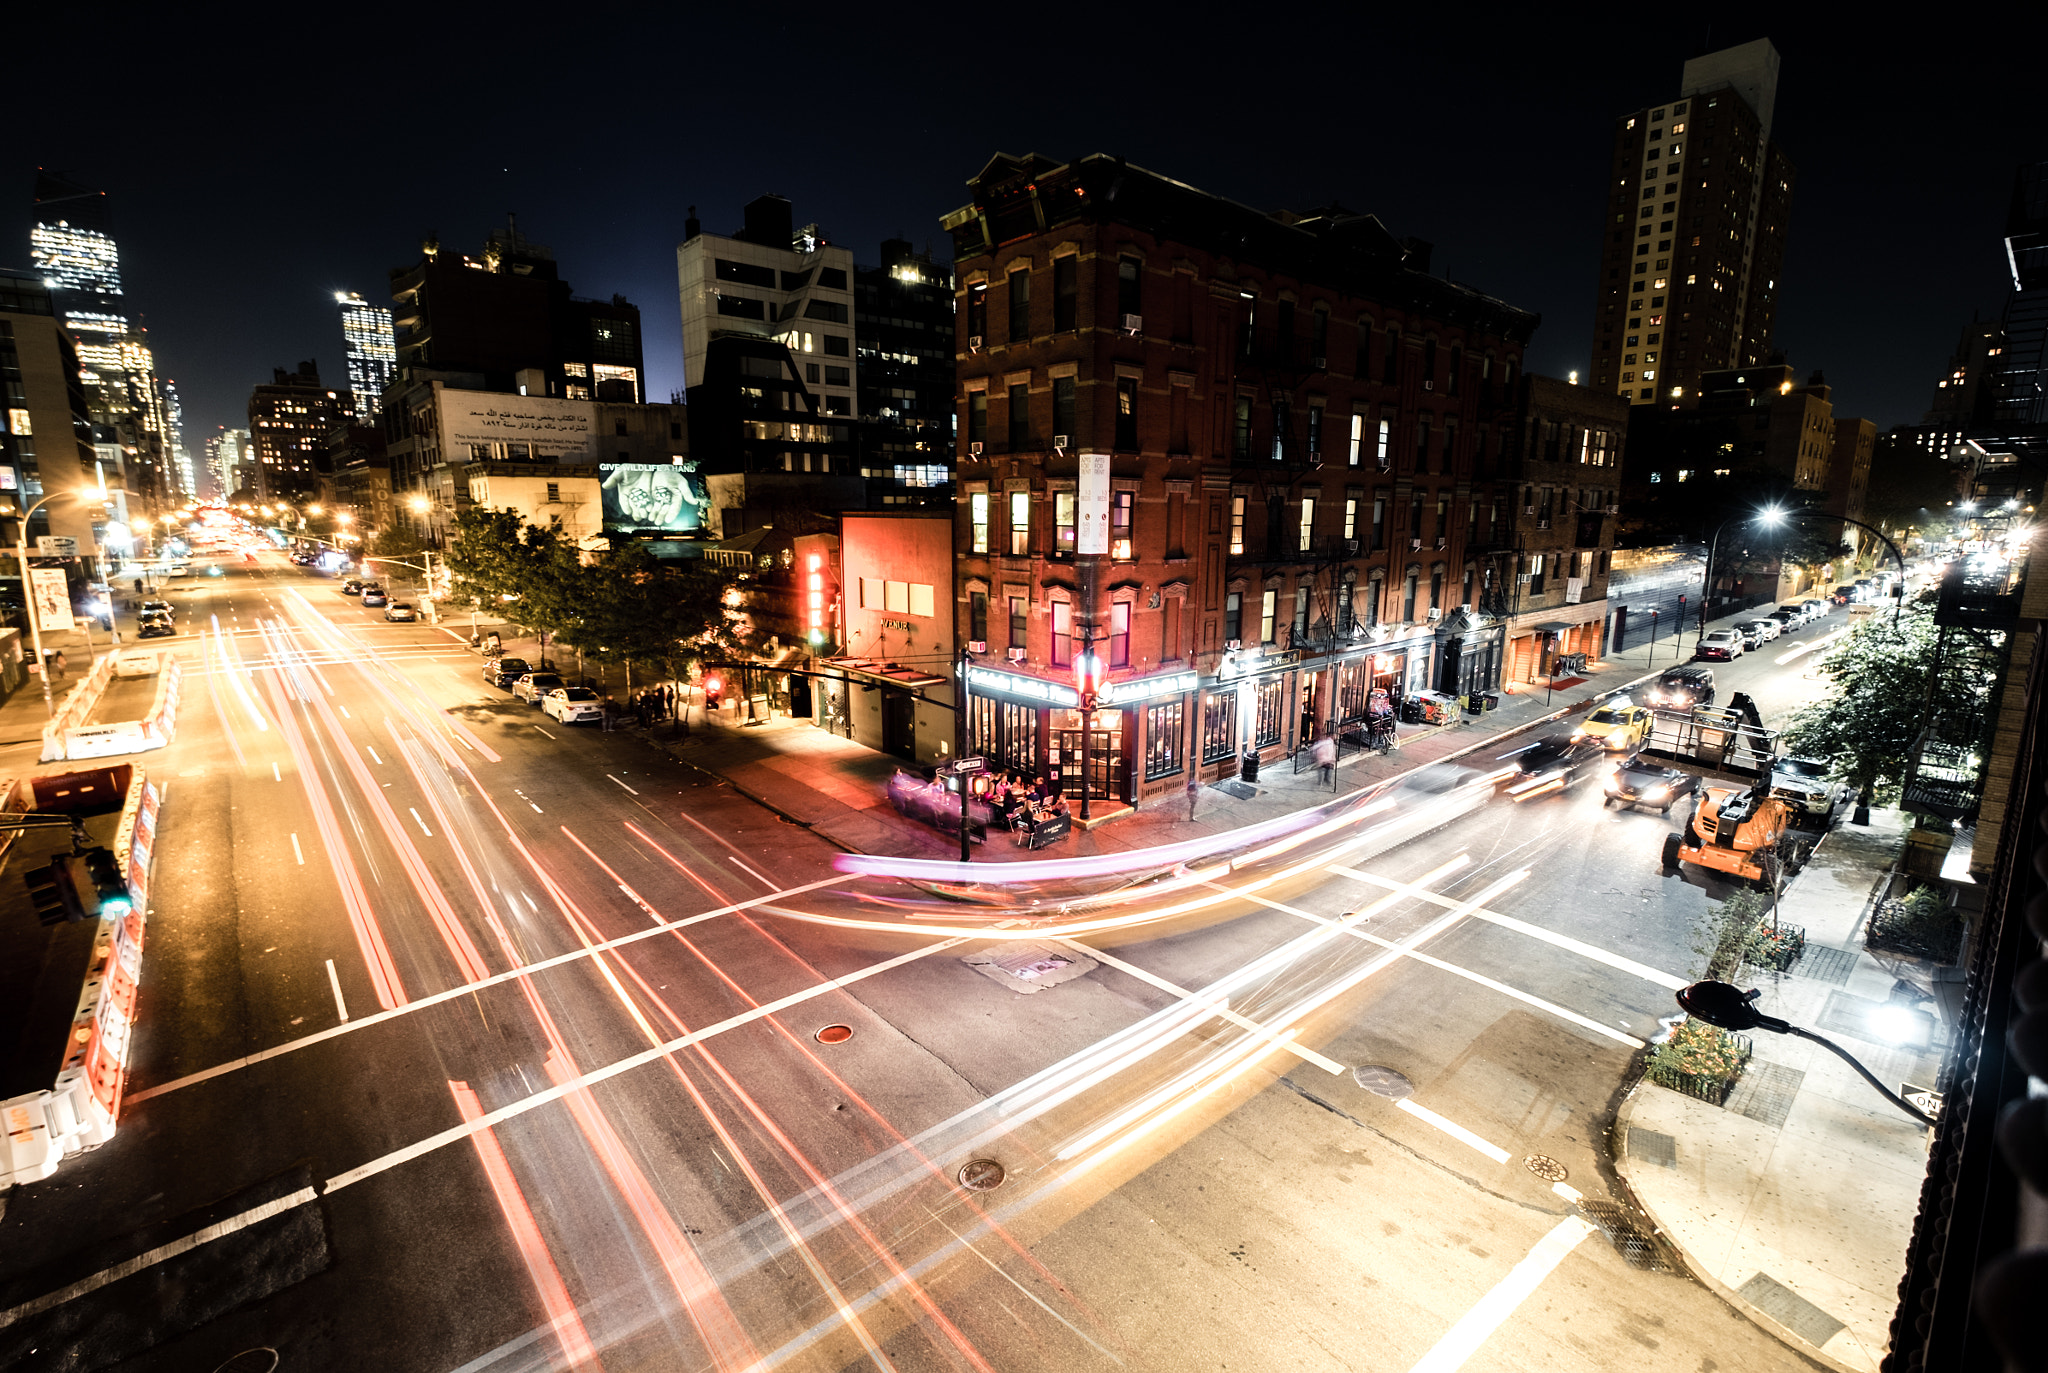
[1747, 834]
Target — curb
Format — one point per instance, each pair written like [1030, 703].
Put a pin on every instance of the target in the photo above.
[1693, 1268]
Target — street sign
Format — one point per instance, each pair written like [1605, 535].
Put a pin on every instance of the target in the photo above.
[1923, 1099]
[965, 765]
[56, 546]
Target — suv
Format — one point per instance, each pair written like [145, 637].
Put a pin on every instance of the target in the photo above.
[1816, 609]
[1805, 787]
[1682, 688]
[1723, 645]
[504, 671]
[532, 686]
[1845, 593]
[1756, 633]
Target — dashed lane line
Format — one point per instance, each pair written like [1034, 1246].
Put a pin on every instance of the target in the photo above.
[1491, 1311]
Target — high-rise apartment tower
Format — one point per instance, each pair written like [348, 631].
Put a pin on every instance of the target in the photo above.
[1695, 232]
[372, 351]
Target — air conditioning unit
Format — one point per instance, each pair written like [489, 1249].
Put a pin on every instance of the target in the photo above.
[1614, 510]
[1134, 324]
[1435, 614]
[1441, 541]
[1528, 510]
[1543, 524]
[1524, 576]
[974, 343]
[1385, 465]
[1233, 644]
[1319, 364]
[1467, 607]
[974, 448]
[1351, 548]
[1059, 443]
[1017, 655]
[1415, 545]
[1428, 385]
[977, 645]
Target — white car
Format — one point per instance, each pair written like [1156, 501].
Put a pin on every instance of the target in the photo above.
[571, 704]
[1723, 644]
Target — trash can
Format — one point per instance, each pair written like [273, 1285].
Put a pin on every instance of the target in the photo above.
[1411, 710]
[1248, 766]
[1492, 701]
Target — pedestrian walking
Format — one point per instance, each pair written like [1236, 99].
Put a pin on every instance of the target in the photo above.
[1324, 753]
[609, 712]
[1194, 791]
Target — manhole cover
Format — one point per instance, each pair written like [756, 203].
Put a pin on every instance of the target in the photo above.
[981, 1175]
[835, 1034]
[1549, 1169]
[1383, 1082]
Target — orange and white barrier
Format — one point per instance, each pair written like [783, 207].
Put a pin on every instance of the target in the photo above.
[70, 734]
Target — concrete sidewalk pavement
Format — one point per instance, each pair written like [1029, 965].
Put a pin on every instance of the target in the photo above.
[1796, 1198]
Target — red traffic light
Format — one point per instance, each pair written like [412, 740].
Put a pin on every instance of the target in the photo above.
[712, 686]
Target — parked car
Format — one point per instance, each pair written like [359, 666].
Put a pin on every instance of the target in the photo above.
[505, 671]
[1845, 594]
[156, 608]
[1756, 633]
[1787, 618]
[1682, 688]
[398, 610]
[352, 587]
[1807, 789]
[373, 596]
[534, 685]
[1816, 608]
[1645, 785]
[1552, 764]
[158, 626]
[571, 704]
[1721, 645]
[1797, 610]
[1619, 724]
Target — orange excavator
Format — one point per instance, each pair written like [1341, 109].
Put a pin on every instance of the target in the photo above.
[1732, 831]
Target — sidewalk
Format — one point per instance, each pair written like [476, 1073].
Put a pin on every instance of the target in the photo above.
[1796, 1199]
[839, 789]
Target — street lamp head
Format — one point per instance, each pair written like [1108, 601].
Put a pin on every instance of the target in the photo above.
[1729, 1008]
[418, 504]
[1770, 516]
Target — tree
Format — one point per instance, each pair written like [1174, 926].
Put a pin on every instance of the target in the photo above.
[1889, 690]
[399, 541]
[499, 562]
[638, 610]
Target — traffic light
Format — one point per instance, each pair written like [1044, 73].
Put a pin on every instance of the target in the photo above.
[713, 687]
[79, 886]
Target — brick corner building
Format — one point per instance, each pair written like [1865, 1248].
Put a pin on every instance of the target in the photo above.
[1302, 428]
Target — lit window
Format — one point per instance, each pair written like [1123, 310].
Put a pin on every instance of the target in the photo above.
[1237, 525]
[1650, 374]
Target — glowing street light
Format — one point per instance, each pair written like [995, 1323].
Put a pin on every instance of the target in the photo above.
[1730, 1008]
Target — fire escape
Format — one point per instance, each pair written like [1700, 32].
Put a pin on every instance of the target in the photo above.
[1975, 612]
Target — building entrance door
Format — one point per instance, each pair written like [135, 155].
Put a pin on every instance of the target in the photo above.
[1105, 764]
[899, 724]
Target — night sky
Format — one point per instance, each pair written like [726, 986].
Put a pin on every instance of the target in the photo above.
[259, 166]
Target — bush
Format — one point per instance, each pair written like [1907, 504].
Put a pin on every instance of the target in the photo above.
[1921, 924]
[1699, 1060]
[1777, 949]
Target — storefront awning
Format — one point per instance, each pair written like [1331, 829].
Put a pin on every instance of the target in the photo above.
[884, 671]
[1555, 627]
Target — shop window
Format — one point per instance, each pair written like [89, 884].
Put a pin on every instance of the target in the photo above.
[1270, 697]
[1219, 726]
[1163, 740]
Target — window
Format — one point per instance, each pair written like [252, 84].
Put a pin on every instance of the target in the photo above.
[1283, 420]
[1308, 522]
[1129, 299]
[1063, 505]
[838, 376]
[1408, 595]
[977, 313]
[1236, 526]
[1301, 591]
[1436, 591]
[829, 311]
[1357, 439]
[1063, 402]
[1241, 429]
[1006, 731]
[838, 346]
[554, 493]
[1391, 367]
[1120, 634]
[1233, 618]
[1350, 517]
[1450, 444]
[741, 307]
[1120, 504]
[1162, 740]
[1319, 337]
[811, 374]
[1062, 633]
[1127, 414]
[1020, 622]
[1422, 444]
[977, 507]
[1269, 607]
[833, 278]
[1020, 523]
[1428, 363]
[1020, 306]
[1065, 293]
[1315, 433]
[1020, 418]
[1270, 698]
[977, 617]
[1457, 366]
[1379, 522]
[977, 417]
[1385, 448]
[1219, 726]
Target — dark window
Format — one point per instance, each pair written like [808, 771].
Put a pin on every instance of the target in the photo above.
[830, 311]
[1315, 433]
[1283, 421]
[977, 417]
[1020, 306]
[1319, 337]
[838, 376]
[1129, 297]
[1020, 418]
[1126, 414]
[793, 281]
[1422, 444]
[1066, 292]
[1408, 596]
[1241, 430]
[1162, 740]
[1379, 522]
[675, 431]
[1063, 420]
[746, 273]
[1436, 591]
[1233, 618]
[1271, 699]
[1390, 370]
[1429, 361]
[619, 428]
[833, 277]
[837, 346]
[1457, 366]
[977, 313]
[1219, 726]
[811, 373]
[1283, 331]
[742, 307]
[1020, 622]
[977, 617]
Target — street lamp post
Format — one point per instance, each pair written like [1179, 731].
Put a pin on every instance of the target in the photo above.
[35, 621]
[1088, 682]
[1730, 1008]
[968, 651]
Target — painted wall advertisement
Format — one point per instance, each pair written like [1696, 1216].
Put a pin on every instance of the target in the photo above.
[516, 428]
[51, 597]
[1091, 500]
[653, 496]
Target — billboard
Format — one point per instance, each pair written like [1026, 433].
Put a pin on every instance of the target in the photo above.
[487, 424]
[51, 598]
[654, 496]
[1093, 492]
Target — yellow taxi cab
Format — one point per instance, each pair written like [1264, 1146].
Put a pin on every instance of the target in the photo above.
[1619, 724]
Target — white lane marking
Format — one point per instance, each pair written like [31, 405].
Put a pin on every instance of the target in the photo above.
[421, 823]
[1568, 1192]
[467, 988]
[622, 784]
[345, 715]
[1801, 650]
[149, 1258]
[544, 731]
[298, 852]
[373, 755]
[536, 809]
[756, 876]
[1462, 1340]
[1220, 1005]
[334, 981]
[275, 773]
[1562, 941]
[1453, 1129]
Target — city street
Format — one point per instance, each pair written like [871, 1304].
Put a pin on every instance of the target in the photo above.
[521, 1023]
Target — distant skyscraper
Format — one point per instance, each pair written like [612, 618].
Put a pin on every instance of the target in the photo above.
[372, 351]
[1697, 202]
[2022, 380]
[225, 452]
[174, 441]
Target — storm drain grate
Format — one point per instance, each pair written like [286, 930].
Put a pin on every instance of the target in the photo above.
[1618, 1223]
[1789, 1309]
[1649, 1146]
[1823, 963]
[1766, 1093]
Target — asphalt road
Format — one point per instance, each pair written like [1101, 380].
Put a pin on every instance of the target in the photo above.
[426, 962]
